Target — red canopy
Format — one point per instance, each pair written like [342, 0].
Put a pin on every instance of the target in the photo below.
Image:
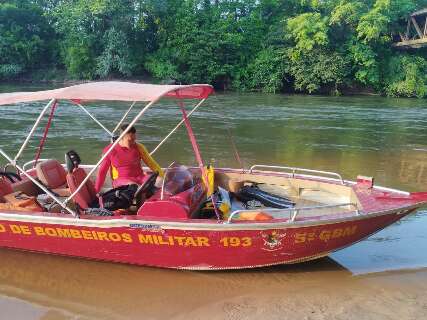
[112, 91]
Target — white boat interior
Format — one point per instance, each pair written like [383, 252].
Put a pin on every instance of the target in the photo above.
[312, 196]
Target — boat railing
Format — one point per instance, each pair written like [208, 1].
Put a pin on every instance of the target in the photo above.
[293, 212]
[294, 170]
[27, 164]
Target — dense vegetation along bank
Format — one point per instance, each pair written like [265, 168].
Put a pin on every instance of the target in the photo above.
[326, 46]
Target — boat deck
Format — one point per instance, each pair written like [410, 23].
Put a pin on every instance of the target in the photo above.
[314, 197]
[320, 197]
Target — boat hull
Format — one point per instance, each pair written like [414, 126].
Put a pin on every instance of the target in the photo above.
[192, 246]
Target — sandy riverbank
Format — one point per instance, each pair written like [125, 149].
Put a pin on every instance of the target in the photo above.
[34, 286]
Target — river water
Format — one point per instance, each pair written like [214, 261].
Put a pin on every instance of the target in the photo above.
[382, 277]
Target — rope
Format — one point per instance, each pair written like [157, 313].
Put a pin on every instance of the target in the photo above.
[46, 130]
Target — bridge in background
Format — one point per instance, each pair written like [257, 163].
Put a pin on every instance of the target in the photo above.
[416, 31]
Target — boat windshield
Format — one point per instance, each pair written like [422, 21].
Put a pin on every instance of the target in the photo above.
[178, 178]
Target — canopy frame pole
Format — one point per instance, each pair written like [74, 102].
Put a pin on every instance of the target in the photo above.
[177, 126]
[196, 150]
[124, 117]
[192, 138]
[93, 118]
[24, 144]
[38, 184]
[110, 149]
[46, 131]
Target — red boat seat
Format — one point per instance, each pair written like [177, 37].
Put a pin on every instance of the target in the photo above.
[16, 201]
[5, 188]
[26, 186]
[86, 197]
[53, 175]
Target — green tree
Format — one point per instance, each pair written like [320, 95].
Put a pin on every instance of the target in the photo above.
[25, 38]
[407, 76]
[269, 45]
[319, 69]
[308, 30]
[116, 55]
[95, 36]
[268, 72]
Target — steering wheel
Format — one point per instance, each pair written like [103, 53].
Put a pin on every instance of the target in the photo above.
[147, 186]
[11, 176]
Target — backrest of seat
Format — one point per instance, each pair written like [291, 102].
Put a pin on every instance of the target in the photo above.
[51, 173]
[5, 188]
[87, 193]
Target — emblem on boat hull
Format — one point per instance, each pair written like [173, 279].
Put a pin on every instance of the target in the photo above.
[272, 240]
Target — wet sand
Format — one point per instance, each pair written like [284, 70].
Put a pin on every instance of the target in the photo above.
[35, 286]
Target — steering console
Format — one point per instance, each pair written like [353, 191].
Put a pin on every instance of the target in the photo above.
[145, 190]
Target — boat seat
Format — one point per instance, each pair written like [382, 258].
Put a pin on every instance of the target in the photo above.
[5, 189]
[86, 197]
[53, 175]
[16, 201]
[26, 186]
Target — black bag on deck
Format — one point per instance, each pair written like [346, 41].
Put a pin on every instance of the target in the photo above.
[118, 198]
[248, 193]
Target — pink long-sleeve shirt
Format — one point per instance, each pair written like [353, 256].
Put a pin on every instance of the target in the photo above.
[125, 165]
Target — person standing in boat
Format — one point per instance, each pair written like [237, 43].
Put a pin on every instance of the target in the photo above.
[124, 162]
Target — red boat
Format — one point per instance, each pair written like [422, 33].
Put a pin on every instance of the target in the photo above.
[199, 218]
